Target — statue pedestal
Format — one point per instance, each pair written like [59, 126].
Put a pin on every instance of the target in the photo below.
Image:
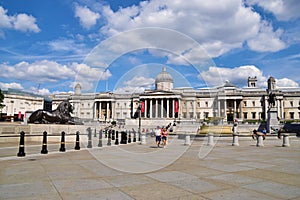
[272, 119]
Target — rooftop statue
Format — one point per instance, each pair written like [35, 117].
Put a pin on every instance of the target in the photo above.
[61, 115]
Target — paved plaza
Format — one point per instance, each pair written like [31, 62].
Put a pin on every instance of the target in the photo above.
[135, 171]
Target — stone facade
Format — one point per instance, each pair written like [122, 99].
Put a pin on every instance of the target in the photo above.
[17, 104]
[226, 102]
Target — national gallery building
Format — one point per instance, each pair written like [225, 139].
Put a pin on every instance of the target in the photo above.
[226, 103]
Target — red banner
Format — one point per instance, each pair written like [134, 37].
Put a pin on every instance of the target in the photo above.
[19, 115]
[142, 106]
[176, 106]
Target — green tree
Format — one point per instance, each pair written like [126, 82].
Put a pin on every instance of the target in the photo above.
[1, 99]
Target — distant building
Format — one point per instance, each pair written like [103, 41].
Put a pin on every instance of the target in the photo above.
[226, 102]
[17, 103]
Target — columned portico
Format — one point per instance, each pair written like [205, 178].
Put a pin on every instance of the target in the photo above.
[160, 107]
[103, 110]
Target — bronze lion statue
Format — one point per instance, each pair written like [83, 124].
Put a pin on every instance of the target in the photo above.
[61, 115]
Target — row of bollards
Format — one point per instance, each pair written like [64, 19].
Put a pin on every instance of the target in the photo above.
[235, 140]
[44, 150]
[111, 135]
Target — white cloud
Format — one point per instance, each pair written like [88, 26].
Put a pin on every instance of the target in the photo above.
[239, 76]
[40, 91]
[49, 72]
[135, 85]
[5, 20]
[267, 40]
[68, 45]
[284, 10]
[21, 22]
[89, 77]
[11, 85]
[86, 17]
[219, 26]
[285, 82]
[140, 81]
[25, 23]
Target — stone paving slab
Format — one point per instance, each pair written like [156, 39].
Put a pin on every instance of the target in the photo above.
[176, 172]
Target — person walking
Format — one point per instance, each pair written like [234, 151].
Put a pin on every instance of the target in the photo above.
[164, 136]
[157, 136]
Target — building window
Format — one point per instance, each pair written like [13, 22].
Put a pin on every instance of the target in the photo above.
[292, 103]
[245, 103]
[291, 115]
[199, 115]
[191, 115]
[253, 115]
[206, 103]
[253, 103]
[184, 114]
[245, 115]
[198, 104]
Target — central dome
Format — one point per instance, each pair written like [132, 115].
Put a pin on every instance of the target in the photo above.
[164, 76]
[164, 81]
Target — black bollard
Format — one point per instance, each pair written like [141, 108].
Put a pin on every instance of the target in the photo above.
[109, 138]
[89, 130]
[95, 133]
[44, 146]
[113, 135]
[117, 138]
[62, 142]
[100, 139]
[77, 145]
[129, 137]
[105, 133]
[123, 137]
[22, 145]
[134, 136]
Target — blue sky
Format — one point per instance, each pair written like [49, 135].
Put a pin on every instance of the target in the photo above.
[48, 46]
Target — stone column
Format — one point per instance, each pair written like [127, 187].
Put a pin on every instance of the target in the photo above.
[145, 108]
[266, 109]
[281, 109]
[113, 110]
[151, 112]
[107, 109]
[100, 113]
[219, 108]
[156, 108]
[162, 108]
[241, 110]
[234, 109]
[173, 108]
[225, 109]
[194, 109]
[168, 110]
[95, 110]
